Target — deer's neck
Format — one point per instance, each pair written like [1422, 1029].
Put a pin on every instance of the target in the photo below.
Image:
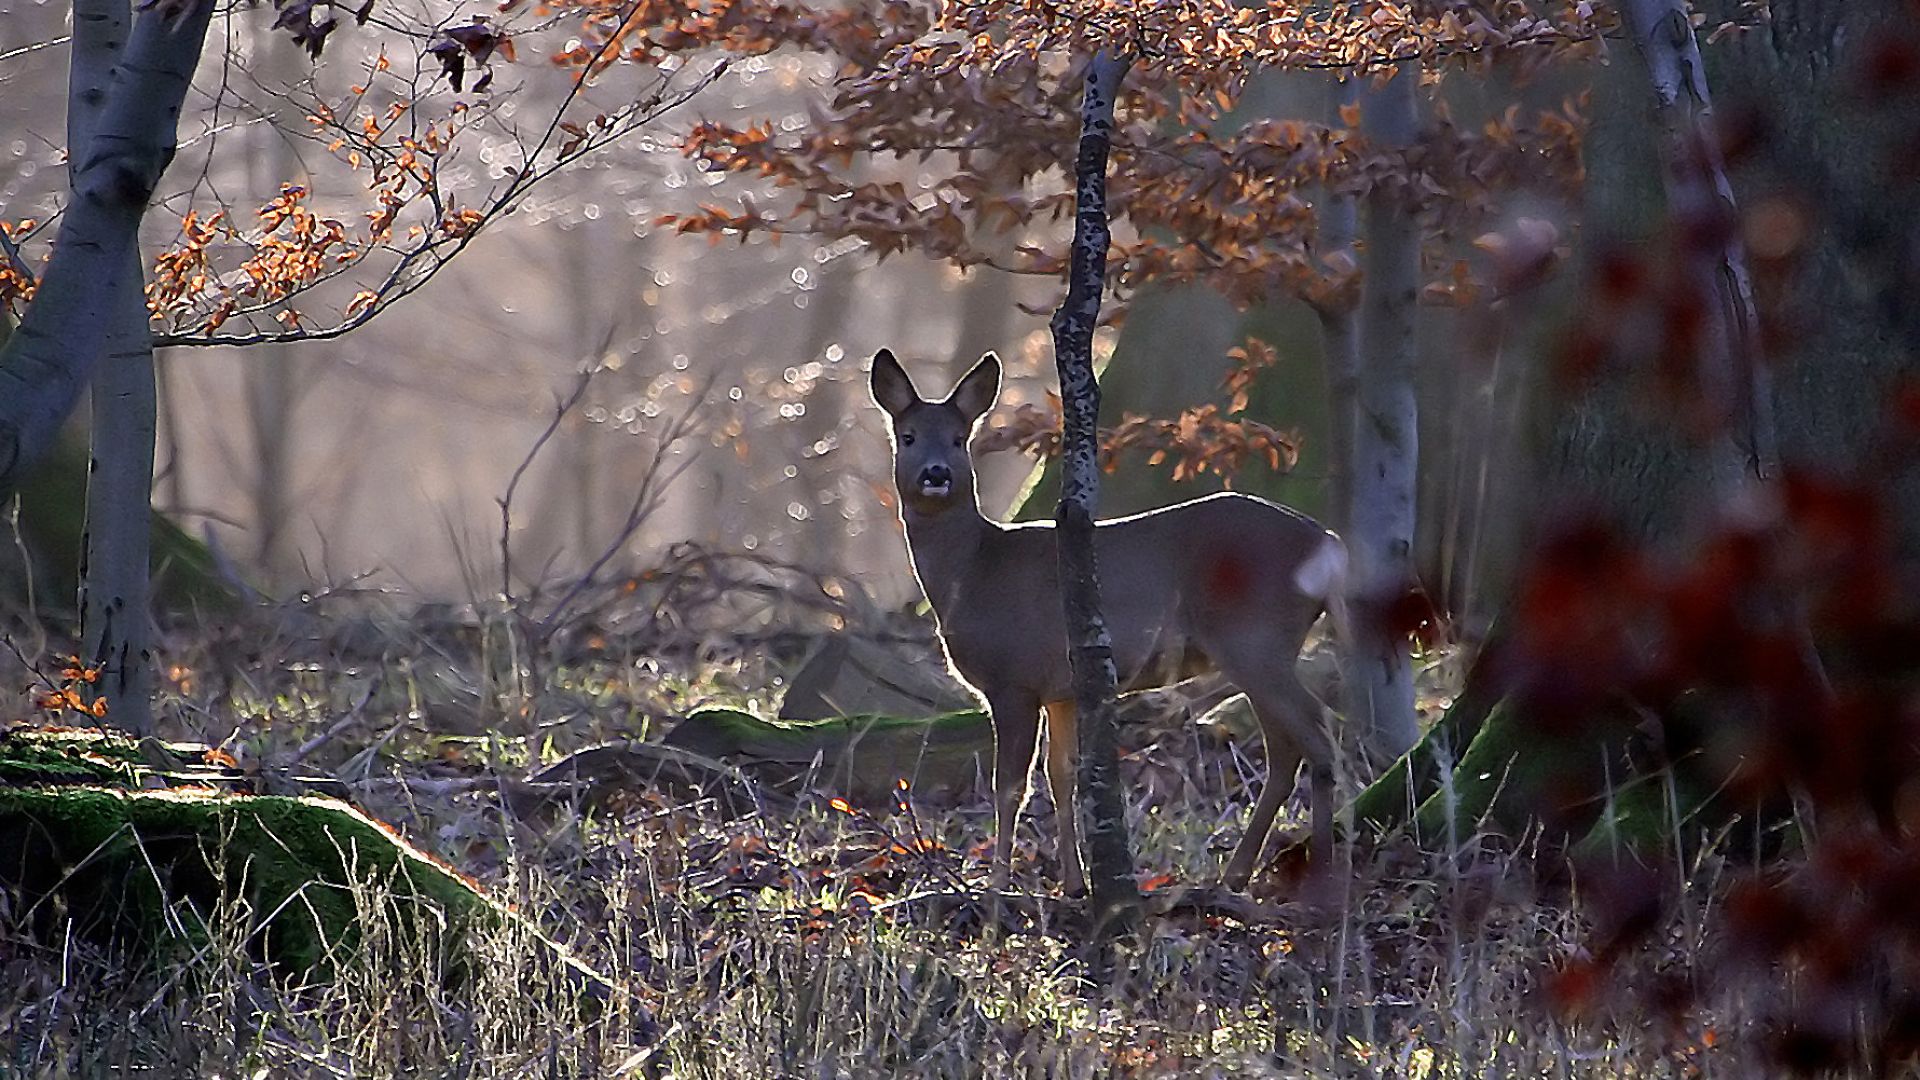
[945, 547]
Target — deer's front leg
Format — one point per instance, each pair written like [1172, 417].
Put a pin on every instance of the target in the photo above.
[1291, 726]
[1016, 735]
[1061, 740]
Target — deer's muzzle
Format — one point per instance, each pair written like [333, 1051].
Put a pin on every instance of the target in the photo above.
[936, 481]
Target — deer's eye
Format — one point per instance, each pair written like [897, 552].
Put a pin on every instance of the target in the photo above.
[906, 438]
[959, 441]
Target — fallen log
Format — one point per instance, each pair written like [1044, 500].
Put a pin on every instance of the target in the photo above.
[98, 840]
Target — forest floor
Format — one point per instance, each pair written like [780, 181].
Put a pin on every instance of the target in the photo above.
[832, 941]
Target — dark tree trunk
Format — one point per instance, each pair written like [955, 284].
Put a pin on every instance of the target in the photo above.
[1101, 805]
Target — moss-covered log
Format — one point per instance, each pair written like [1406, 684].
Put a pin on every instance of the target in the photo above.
[1401, 788]
[86, 845]
[860, 757]
[1593, 788]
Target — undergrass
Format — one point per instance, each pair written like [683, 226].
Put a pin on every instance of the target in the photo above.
[832, 943]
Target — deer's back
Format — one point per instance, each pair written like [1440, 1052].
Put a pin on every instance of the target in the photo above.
[1172, 580]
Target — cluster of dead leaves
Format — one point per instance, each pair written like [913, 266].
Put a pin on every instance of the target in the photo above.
[1200, 440]
[979, 100]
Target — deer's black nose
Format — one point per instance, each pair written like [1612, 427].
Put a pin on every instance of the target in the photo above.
[936, 475]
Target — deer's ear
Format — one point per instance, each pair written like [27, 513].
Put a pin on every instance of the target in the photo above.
[891, 388]
[978, 389]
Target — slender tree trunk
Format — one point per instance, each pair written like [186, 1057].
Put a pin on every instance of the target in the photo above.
[822, 540]
[115, 567]
[115, 578]
[271, 376]
[1385, 445]
[1102, 807]
[1339, 329]
[48, 360]
[1701, 205]
[271, 395]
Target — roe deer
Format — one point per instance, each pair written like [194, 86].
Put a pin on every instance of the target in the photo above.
[1226, 582]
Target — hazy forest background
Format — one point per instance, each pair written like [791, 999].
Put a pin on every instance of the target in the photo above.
[515, 480]
[333, 464]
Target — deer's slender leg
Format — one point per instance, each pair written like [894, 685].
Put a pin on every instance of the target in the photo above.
[1314, 740]
[1061, 740]
[1320, 775]
[1016, 738]
[1292, 724]
[1283, 763]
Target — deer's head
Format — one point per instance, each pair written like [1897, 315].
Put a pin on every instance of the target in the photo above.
[932, 467]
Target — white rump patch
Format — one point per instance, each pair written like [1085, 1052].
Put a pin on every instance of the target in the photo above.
[1324, 571]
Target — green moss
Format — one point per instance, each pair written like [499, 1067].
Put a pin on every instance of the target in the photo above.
[67, 756]
[118, 862]
[860, 756]
[82, 847]
[744, 725]
[1484, 774]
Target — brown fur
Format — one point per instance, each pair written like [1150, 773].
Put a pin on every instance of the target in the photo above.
[1227, 581]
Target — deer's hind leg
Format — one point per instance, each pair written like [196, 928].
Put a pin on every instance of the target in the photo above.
[1293, 727]
[1283, 764]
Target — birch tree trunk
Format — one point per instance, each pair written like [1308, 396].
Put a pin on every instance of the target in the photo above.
[1339, 327]
[49, 358]
[1385, 440]
[1701, 204]
[823, 540]
[1100, 806]
[271, 376]
[115, 566]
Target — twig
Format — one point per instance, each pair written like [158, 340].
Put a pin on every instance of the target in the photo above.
[50, 43]
[26, 557]
[646, 500]
[505, 502]
[363, 761]
[333, 731]
[32, 668]
[418, 265]
[11, 249]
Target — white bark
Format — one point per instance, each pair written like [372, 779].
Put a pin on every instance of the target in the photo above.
[114, 581]
[1385, 439]
[272, 384]
[1700, 196]
[47, 361]
[115, 609]
[1339, 326]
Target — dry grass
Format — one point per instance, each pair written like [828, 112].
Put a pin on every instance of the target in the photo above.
[809, 946]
